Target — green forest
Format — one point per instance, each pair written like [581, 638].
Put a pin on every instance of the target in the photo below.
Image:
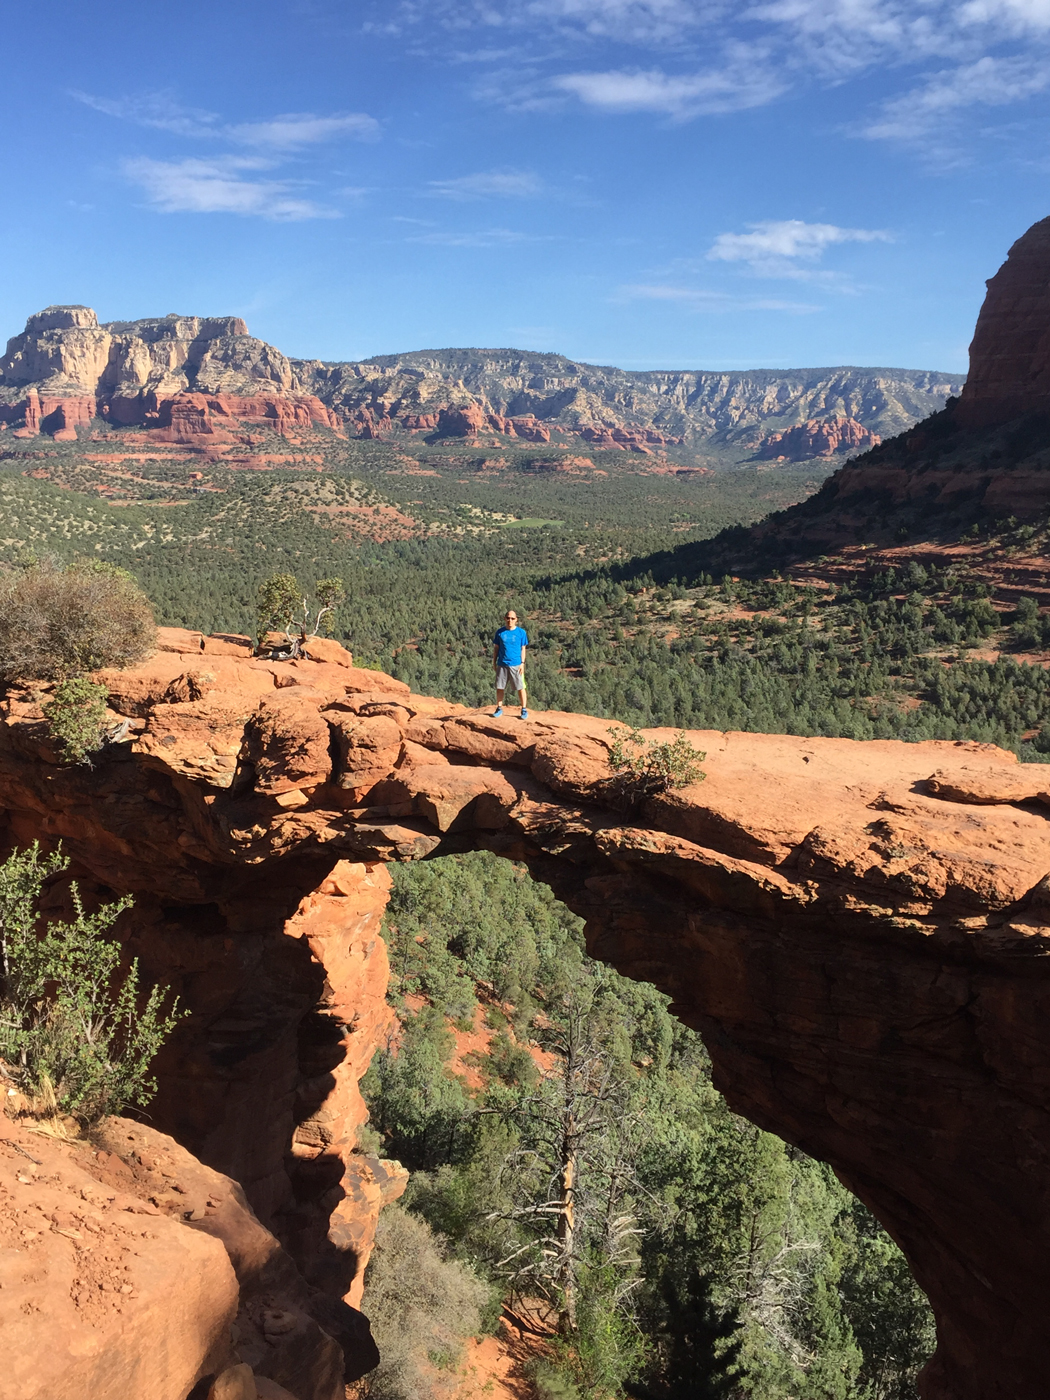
[623, 619]
[584, 1175]
[594, 1181]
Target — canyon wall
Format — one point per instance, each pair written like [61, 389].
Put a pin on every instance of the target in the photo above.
[173, 373]
[189, 379]
[859, 930]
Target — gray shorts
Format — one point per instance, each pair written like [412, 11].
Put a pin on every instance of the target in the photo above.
[510, 678]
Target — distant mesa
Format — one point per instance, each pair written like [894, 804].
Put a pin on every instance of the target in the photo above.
[202, 382]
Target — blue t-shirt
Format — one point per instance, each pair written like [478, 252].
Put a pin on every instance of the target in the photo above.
[510, 641]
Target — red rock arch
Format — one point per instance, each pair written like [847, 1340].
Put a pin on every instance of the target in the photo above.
[859, 930]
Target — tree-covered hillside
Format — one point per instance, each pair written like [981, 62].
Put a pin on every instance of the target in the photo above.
[581, 1165]
[619, 624]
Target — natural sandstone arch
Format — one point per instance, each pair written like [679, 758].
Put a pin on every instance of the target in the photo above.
[859, 931]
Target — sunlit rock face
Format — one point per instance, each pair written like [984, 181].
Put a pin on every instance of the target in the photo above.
[139, 374]
[185, 376]
[859, 930]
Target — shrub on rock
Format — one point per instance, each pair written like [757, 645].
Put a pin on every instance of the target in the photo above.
[77, 1034]
[76, 718]
[58, 621]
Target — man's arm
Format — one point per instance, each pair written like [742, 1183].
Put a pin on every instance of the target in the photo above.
[495, 657]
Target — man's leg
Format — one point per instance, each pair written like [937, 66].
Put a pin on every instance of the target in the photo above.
[499, 701]
[523, 697]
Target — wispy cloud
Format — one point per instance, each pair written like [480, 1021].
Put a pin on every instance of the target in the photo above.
[774, 247]
[224, 184]
[680, 96]
[290, 132]
[155, 109]
[220, 186]
[929, 110]
[298, 129]
[479, 238]
[701, 299]
[938, 57]
[490, 184]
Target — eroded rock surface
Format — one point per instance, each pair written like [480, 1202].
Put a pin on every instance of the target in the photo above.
[128, 1269]
[200, 381]
[819, 437]
[859, 930]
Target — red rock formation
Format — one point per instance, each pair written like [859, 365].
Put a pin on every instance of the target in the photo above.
[180, 418]
[462, 422]
[129, 368]
[132, 1270]
[419, 422]
[816, 438]
[55, 415]
[859, 931]
[188, 416]
[1010, 351]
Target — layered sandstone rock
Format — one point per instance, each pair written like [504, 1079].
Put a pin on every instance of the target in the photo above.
[1010, 351]
[859, 930]
[139, 373]
[816, 438]
[176, 373]
[520, 394]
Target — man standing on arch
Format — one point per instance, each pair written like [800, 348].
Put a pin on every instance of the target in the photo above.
[508, 661]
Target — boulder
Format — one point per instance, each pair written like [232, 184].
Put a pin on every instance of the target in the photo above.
[287, 741]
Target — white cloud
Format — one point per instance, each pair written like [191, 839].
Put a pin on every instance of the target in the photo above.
[155, 109]
[629, 21]
[221, 184]
[699, 299]
[928, 52]
[678, 96]
[624, 21]
[297, 129]
[928, 109]
[220, 187]
[775, 242]
[500, 184]
[1032, 16]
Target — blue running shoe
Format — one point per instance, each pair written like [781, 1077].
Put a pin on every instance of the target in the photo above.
[524, 714]
[497, 712]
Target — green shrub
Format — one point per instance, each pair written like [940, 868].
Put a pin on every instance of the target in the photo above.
[645, 768]
[75, 1034]
[57, 621]
[76, 718]
[282, 604]
[422, 1307]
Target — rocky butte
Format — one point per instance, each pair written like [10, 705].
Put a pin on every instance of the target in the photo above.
[864, 948]
[981, 459]
[202, 381]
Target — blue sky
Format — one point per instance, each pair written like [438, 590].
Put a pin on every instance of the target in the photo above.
[648, 183]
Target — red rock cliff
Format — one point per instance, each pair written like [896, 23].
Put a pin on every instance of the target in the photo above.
[1010, 351]
[128, 1269]
[859, 930]
[817, 438]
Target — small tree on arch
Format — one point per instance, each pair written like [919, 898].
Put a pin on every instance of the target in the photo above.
[284, 605]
